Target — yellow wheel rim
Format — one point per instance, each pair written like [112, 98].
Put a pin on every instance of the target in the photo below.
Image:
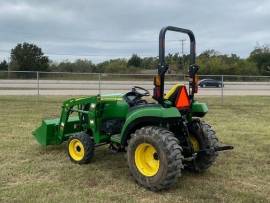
[195, 144]
[146, 159]
[76, 149]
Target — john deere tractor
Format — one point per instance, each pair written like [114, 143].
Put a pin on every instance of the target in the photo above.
[160, 139]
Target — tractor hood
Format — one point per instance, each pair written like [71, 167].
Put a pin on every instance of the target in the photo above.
[112, 97]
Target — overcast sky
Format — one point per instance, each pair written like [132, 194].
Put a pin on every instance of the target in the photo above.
[103, 29]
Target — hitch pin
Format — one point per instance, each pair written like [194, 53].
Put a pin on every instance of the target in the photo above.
[223, 148]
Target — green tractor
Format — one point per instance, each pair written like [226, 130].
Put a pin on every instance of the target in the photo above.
[159, 138]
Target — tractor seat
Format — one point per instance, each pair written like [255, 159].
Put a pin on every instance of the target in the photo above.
[173, 92]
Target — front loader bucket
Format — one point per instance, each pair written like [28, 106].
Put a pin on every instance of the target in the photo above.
[46, 134]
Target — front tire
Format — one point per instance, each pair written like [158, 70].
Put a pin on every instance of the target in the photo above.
[154, 157]
[80, 148]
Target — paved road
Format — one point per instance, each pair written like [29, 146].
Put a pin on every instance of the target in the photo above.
[71, 87]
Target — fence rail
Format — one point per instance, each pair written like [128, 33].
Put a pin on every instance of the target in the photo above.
[66, 83]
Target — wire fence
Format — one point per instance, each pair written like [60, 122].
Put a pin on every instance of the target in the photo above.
[70, 83]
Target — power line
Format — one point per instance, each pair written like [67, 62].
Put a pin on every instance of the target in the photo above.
[4, 50]
[104, 55]
[84, 54]
[31, 35]
[112, 55]
[182, 45]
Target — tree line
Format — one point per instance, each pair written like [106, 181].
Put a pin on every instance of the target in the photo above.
[29, 57]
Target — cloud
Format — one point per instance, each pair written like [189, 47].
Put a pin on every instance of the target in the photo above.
[102, 29]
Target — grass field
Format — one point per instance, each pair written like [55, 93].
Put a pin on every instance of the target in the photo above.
[31, 173]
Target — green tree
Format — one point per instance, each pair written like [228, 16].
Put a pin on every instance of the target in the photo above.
[175, 62]
[4, 65]
[149, 62]
[116, 66]
[79, 66]
[261, 56]
[211, 62]
[135, 61]
[28, 57]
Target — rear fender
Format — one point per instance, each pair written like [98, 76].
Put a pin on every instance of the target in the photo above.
[198, 109]
[146, 116]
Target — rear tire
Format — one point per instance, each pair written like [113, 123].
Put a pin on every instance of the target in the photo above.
[80, 148]
[154, 157]
[206, 139]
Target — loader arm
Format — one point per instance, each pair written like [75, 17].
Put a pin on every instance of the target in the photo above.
[68, 108]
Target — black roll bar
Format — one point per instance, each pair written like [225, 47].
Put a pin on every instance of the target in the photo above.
[163, 67]
[181, 30]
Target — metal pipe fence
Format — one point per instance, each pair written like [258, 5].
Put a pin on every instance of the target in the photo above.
[71, 83]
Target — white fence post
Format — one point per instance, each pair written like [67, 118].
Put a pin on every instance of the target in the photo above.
[222, 84]
[37, 83]
[99, 83]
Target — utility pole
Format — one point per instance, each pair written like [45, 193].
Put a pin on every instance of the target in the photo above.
[182, 43]
[183, 63]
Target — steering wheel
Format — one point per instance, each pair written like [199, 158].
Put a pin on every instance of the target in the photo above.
[140, 91]
[134, 97]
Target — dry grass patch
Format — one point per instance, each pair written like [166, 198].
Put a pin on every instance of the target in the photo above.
[31, 173]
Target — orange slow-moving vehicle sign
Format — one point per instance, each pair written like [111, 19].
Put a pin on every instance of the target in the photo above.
[182, 101]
